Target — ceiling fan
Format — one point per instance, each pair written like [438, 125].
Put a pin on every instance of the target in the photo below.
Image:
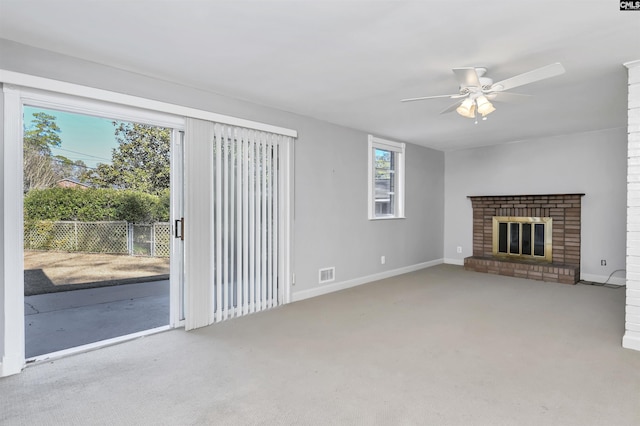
[476, 91]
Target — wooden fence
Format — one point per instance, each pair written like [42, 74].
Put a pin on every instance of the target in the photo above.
[153, 239]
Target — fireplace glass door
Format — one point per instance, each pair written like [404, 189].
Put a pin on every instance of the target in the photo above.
[522, 237]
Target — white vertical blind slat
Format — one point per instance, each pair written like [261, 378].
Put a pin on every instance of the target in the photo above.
[198, 297]
[252, 224]
[226, 208]
[218, 229]
[274, 245]
[263, 219]
[268, 218]
[258, 219]
[271, 219]
[232, 225]
[245, 222]
[239, 224]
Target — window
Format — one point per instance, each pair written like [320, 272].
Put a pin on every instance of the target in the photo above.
[386, 179]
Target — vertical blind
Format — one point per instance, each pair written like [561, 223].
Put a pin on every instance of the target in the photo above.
[244, 233]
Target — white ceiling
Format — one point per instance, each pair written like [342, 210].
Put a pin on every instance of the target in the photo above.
[350, 62]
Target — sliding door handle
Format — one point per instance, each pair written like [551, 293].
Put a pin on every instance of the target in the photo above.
[179, 229]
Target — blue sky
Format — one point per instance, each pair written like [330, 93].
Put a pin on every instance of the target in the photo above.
[85, 138]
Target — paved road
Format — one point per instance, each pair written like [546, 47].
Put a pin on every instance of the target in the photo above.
[58, 321]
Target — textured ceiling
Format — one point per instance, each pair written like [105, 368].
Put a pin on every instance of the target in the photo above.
[350, 62]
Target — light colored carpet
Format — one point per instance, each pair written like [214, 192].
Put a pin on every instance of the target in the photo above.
[441, 346]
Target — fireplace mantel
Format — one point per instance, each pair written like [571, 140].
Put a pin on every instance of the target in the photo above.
[540, 196]
[565, 212]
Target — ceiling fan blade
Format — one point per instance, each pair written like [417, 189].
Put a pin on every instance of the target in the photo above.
[452, 107]
[508, 97]
[467, 77]
[457, 95]
[529, 77]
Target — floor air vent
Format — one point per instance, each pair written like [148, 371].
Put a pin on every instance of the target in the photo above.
[327, 275]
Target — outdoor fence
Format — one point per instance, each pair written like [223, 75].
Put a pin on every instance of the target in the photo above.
[152, 239]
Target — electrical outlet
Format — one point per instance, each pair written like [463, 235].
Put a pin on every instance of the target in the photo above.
[382, 260]
[459, 249]
[603, 262]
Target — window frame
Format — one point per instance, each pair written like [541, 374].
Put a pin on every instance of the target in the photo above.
[398, 150]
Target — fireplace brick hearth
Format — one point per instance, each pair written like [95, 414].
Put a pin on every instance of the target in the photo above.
[565, 212]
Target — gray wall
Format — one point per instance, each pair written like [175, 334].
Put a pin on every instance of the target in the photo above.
[331, 226]
[592, 163]
[331, 208]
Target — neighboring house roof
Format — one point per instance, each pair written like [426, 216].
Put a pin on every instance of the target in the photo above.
[72, 183]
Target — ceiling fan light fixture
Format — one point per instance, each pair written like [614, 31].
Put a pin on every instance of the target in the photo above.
[467, 108]
[484, 106]
[478, 90]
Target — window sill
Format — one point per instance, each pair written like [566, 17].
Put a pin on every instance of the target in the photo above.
[387, 217]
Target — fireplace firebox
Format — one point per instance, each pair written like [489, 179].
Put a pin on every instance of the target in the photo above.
[528, 236]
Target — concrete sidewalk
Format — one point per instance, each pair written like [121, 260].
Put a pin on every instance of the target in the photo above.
[58, 321]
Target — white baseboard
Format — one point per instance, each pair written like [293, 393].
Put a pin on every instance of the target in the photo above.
[603, 278]
[450, 261]
[326, 289]
[631, 341]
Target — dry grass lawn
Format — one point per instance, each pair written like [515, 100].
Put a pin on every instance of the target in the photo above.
[78, 268]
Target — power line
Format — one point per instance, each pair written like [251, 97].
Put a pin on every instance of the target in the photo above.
[82, 153]
[72, 165]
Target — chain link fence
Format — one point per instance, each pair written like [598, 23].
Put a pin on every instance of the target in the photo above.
[99, 237]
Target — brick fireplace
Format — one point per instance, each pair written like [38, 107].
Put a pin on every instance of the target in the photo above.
[561, 213]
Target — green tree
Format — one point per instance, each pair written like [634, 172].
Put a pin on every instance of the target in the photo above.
[65, 168]
[43, 133]
[383, 164]
[140, 162]
[39, 137]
